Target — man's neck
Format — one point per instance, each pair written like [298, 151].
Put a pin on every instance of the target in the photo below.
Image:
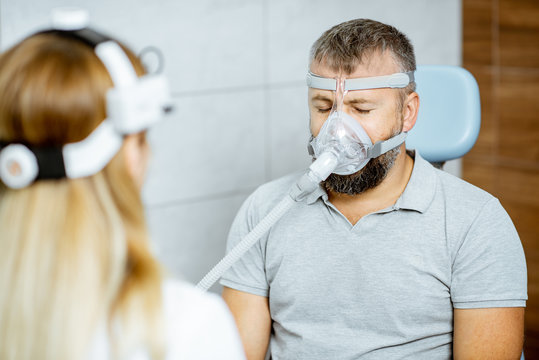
[354, 207]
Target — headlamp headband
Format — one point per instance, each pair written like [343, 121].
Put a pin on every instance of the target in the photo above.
[107, 50]
[397, 80]
[133, 105]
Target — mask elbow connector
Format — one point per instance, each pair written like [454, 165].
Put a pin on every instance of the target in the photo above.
[324, 165]
[318, 172]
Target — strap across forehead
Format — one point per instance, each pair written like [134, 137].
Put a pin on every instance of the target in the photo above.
[397, 80]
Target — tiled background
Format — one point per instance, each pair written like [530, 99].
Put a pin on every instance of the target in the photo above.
[237, 70]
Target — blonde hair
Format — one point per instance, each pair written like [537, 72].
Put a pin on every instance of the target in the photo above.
[74, 251]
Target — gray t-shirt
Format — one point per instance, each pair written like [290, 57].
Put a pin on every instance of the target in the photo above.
[384, 288]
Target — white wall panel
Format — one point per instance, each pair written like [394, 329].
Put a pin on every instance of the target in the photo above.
[432, 25]
[213, 144]
[289, 130]
[207, 44]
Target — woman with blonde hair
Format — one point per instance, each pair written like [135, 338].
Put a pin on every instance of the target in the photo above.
[77, 276]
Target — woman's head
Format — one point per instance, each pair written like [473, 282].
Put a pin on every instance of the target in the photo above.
[74, 250]
[53, 93]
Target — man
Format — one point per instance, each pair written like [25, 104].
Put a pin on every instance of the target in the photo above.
[398, 260]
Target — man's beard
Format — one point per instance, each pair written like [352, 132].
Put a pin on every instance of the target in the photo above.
[367, 178]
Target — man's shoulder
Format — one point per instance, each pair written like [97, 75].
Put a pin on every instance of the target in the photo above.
[429, 185]
[465, 203]
[460, 190]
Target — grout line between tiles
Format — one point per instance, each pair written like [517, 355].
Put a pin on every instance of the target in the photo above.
[238, 89]
[199, 199]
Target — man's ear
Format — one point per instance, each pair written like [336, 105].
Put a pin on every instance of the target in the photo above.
[409, 111]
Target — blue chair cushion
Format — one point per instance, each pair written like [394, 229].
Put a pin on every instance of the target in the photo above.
[449, 113]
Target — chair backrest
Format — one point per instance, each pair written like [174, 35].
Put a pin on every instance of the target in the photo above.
[449, 113]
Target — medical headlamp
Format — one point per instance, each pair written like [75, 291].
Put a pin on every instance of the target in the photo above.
[133, 104]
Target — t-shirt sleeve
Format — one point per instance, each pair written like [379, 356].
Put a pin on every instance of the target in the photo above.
[248, 273]
[489, 268]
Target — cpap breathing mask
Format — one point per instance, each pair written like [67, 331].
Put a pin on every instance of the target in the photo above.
[132, 105]
[342, 135]
[342, 147]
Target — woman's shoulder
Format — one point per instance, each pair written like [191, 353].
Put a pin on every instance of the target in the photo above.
[191, 306]
[178, 294]
[198, 324]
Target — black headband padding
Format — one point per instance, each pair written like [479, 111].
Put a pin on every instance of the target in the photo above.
[88, 36]
[50, 162]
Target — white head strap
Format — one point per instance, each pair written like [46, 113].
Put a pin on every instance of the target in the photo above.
[397, 80]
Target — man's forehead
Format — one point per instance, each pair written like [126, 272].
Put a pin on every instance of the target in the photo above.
[353, 96]
[376, 64]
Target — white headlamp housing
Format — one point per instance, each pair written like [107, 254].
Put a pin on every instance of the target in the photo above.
[18, 166]
[138, 107]
[133, 104]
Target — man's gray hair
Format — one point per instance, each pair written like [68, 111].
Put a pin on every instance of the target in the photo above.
[345, 46]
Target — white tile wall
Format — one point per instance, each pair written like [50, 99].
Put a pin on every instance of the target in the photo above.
[432, 25]
[288, 121]
[237, 69]
[212, 144]
[207, 44]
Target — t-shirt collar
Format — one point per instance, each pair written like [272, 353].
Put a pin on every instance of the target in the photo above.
[421, 187]
[417, 195]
